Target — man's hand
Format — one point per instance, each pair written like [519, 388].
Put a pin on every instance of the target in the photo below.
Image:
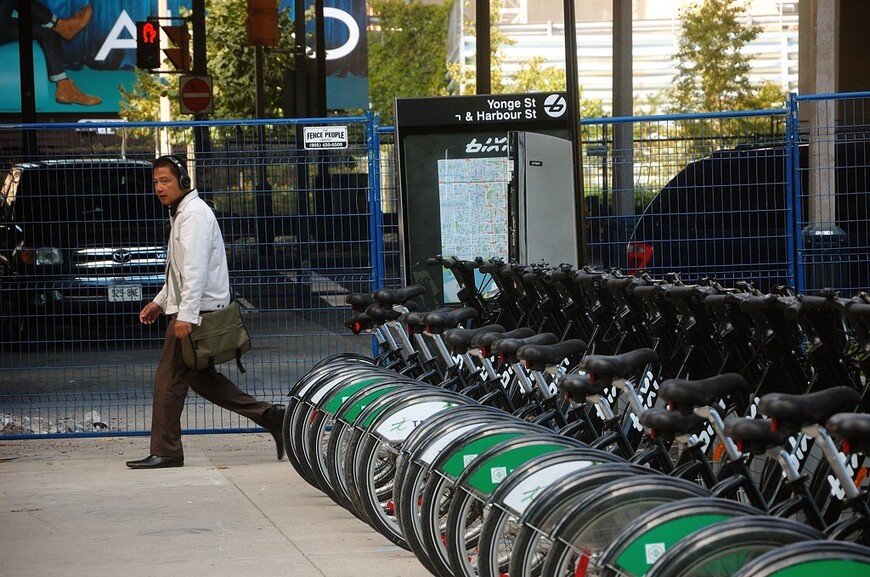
[182, 329]
[149, 313]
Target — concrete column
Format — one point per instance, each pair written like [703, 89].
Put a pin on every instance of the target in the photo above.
[823, 116]
[623, 141]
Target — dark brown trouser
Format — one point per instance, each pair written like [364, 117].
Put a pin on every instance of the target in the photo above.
[171, 382]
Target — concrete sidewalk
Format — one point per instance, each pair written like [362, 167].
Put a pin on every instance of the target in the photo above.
[70, 507]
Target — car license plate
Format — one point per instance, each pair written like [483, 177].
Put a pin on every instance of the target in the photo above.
[125, 293]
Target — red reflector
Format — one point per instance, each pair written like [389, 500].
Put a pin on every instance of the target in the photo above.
[357, 328]
[582, 564]
[27, 256]
[639, 255]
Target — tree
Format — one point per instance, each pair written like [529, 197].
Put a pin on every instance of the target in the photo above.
[407, 52]
[231, 65]
[533, 76]
[464, 77]
[713, 67]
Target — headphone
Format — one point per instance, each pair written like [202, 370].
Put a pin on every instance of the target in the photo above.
[184, 179]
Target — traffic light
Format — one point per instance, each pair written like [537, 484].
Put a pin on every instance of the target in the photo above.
[147, 45]
[179, 55]
[263, 22]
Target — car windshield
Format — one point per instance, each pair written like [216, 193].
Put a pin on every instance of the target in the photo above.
[89, 205]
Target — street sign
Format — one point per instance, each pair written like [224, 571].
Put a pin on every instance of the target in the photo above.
[195, 95]
[325, 137]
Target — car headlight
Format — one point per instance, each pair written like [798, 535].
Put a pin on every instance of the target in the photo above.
[43, 256]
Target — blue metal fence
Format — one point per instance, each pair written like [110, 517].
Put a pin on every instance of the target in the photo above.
[769, 197]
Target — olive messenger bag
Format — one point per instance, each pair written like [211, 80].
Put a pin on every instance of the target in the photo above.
[220, 337]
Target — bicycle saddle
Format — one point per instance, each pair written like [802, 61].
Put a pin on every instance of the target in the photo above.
[791, 412]
[754, 435]
[461, 339]
[438, 321]
[539, 356]
[390, 297]
[668, 424]
[608, 367]
[507, 347]
[484, 340]
[381, 315]
[686, 394]
[853, 428]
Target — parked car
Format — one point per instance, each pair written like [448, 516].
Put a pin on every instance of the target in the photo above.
[727, 217]
[84, 242]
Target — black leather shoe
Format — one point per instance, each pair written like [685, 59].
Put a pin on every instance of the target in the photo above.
[273, 421]
[156, 462]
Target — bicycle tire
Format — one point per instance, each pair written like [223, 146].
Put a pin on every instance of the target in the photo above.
[445, 469]
[814, 558]
[413, 471]
[292, 425]
[480, 479]
[305, 411]
[541, 517]
[508, 501]
[380, 444]
[633, 551]
[293, 399]
[323, 418]
[343, 437]
[724, 548]
[592, 523]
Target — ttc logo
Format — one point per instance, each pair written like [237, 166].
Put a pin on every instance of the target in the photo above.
[555, 105]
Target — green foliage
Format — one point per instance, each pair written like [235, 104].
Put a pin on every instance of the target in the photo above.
[535, 77]
[231, 63]
[142, 102]
[713, 69]
[463, 79]
[407, 53]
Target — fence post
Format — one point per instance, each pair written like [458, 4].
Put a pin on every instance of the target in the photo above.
[793, 192]
[376, 229]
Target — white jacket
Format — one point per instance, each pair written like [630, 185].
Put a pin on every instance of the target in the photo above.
[199, 260]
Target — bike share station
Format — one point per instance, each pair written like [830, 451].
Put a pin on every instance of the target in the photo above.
[485, 176]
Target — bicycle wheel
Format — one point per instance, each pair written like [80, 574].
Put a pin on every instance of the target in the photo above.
[306, 410]
[445, 469]
[416, 456]
[322, 420]
[592, 523]
[373, 469]
[724, 548]
[480, 479]
[294, 400]
[537, 522]
[508, 501]
[432, 432]
[346, 434]
[810, 559]
[323, 378]
[413, 471]
[633, 551]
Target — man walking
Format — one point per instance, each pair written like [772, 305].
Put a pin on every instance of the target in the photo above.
[198, 260]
